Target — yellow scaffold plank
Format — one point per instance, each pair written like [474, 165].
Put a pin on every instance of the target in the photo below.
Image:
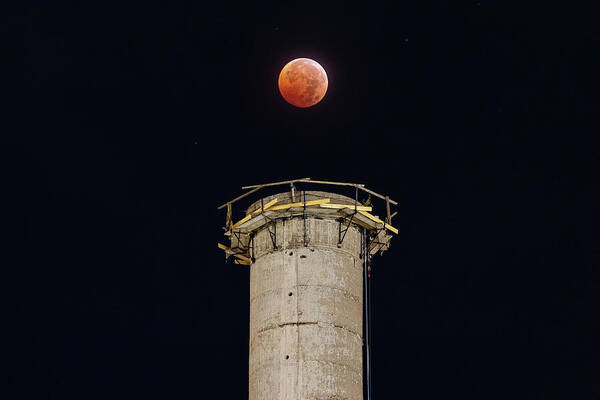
[240, 258]
[254, 213]
[349, 206]
[374, 218]
[266, 207]
[308, 204]
[222, 246]
[241, 221]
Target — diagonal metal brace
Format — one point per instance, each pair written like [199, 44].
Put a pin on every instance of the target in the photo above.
[273, 233]
[240, 242]
[272, 223]
[342, 232]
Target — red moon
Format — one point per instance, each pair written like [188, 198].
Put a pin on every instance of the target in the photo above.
[303, 82]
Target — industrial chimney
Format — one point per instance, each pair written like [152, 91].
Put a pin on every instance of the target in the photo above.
[309, 255]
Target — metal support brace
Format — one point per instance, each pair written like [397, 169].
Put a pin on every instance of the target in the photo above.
[272, 233]
[238, 235]
[304, 217]
[342, 232]
[252, 257]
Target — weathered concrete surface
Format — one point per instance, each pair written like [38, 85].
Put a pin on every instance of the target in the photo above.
[306, 313]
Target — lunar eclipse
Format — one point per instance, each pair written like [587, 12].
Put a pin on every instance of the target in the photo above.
[303, 82]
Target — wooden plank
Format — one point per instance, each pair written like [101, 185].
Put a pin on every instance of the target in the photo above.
[278, 208]
[265, 207]
[228, 221]
[257, 221]
[243, 258]
[364, 218]
[306, 180]
[253, 214]
[360, 219]
[376, 194]
[227, 250]
[374, 218]
[254, 188]
[254, 221]
[222, 246]
[337, 183]
[239, 197]
[308, 204]
[388, 218]
[276, 183]
[349, 206]
[380, 243]
[241, 221]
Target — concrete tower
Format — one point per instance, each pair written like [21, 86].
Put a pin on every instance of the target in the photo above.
[308, 253]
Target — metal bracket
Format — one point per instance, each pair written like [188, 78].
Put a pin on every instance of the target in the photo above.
[342, 232]
[238, 235]
[373, 243]
[251, 253]
[273, 233]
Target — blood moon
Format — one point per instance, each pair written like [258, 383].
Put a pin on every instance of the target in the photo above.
[303, 82]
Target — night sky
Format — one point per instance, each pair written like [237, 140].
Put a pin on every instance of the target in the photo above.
[133, 122]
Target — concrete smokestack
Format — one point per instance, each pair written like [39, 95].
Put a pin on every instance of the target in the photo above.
[306, 312]
[305, 251]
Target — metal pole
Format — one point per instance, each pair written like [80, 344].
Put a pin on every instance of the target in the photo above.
[367, 313]
[304, 216]
[370, 319]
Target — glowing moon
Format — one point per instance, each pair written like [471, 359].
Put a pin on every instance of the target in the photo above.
[303, 82]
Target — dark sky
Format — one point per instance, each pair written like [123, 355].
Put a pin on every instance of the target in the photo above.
[134, 121]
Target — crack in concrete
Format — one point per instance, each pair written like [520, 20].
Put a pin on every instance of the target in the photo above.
[274, 326]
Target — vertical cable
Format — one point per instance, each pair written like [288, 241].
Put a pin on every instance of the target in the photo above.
[367, 314]
[297, 289]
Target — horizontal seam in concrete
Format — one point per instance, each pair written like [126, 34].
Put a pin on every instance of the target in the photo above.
[313, 323]
[273, 326]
